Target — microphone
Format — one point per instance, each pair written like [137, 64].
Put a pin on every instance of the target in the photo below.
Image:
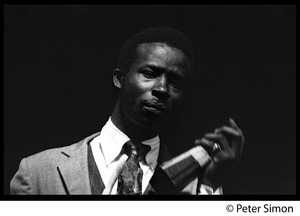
[173, 175]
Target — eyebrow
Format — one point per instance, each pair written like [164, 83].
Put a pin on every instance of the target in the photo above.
[161, 70]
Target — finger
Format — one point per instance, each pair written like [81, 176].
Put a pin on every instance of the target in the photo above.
[229, 131]
[220, 139]
[216, 155]
[206, 144]
[233, 124]
[235, 138]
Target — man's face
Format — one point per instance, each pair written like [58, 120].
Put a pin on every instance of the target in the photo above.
[154, 85]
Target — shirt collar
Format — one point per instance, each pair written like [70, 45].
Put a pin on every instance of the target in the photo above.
[112, 140]
[152, 155]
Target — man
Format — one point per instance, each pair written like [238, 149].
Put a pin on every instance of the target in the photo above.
[154, 68]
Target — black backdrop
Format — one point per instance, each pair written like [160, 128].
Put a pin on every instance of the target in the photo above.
[58, 63]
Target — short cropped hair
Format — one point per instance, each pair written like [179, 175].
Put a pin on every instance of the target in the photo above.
[163, 34]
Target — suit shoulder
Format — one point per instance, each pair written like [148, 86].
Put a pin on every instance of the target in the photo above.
[56, 155]
[53, 155]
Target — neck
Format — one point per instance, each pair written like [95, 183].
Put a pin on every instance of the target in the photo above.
[134, 131]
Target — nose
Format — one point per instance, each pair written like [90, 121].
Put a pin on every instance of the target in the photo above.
[161, 90]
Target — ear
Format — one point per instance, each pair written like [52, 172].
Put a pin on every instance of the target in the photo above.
[117, 78]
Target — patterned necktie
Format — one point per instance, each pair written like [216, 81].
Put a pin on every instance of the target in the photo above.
[130, 180]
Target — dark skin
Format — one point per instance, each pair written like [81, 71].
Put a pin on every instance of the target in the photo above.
[231, 140]
[152, 90]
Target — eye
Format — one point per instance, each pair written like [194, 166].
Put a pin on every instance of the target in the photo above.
[149, 73]
[177, 84]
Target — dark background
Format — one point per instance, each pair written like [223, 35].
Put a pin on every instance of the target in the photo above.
[58, 63]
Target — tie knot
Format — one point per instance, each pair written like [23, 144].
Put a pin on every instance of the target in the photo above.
[130, 147]
[137, 149]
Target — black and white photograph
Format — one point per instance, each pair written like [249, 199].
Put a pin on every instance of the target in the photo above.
[149, 100]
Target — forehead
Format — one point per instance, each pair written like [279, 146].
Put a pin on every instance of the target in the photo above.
[162, 53]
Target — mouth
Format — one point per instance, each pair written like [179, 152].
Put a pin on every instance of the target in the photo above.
[156, 108]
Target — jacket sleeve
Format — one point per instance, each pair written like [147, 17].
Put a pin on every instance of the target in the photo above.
[21, 182]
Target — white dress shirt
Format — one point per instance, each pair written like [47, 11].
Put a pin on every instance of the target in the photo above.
[106, 150]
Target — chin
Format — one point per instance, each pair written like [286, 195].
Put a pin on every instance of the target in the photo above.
[150, 123]
[155, 124]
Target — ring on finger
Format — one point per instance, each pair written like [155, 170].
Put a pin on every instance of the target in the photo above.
[216, 148]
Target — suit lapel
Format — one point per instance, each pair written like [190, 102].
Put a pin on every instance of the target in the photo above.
[97, 185]
[74, 170]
